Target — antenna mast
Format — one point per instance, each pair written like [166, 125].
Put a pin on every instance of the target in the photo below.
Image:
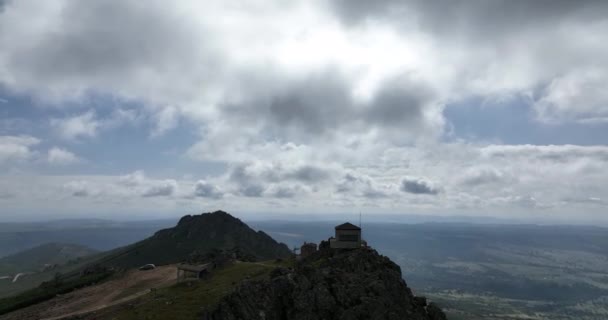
[360, 240]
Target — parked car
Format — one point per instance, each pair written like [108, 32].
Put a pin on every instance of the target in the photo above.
[148, 266]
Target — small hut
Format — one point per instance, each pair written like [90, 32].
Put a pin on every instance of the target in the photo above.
[348, 236]
[192, 272]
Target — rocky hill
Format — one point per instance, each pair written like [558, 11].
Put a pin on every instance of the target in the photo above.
[197, 235]
[356, 284]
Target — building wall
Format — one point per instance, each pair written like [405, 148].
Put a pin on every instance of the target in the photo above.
[348, 235]
[346, 239]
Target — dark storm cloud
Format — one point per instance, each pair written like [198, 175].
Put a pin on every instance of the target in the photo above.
[418, 186]
[470, 18]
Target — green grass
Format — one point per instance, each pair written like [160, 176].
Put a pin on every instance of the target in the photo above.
[187, 300]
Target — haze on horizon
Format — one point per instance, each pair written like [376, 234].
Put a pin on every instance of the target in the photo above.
[130, 110]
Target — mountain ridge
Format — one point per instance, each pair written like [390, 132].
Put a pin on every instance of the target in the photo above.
[197, 235]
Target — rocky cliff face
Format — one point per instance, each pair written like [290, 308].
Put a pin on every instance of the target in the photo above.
[355, 284]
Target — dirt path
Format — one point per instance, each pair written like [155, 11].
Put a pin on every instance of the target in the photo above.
[133, 284]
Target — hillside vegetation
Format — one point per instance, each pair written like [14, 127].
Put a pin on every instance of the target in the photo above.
[35, 259]
[197, 235]
[193, 238]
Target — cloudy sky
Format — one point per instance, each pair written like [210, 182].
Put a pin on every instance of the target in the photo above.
[131, 109]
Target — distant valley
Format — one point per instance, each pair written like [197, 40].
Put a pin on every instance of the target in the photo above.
[490, 271]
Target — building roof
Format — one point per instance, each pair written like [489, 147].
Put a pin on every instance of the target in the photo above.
[193, 268]
[347, 226]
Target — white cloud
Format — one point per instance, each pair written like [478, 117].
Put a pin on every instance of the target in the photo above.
[84, 125]
[58, 156]
[577, 96]
[138, 183]
[17, 148]
[79, 188]
[133, 179]
[166, 119]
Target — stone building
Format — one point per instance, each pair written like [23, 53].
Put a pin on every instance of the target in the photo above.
[348, 236]
[307, 249]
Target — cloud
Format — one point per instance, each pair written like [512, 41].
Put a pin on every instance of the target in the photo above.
[418, 186]
[81, 126]
[204, 189]
[17, 148]
[79, 188]
[330, 102]
[6, 195]
[161, 189]
[133, 179]
[577, 96]
[482, 176]
[137, 183]
[555, 153]
[360, 185]
[58, 156]
[166, 119]
[277, 179]
[584, 200]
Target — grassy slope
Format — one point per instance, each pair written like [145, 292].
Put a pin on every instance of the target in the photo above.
[187, 300]
[34, 259]
[31, 281]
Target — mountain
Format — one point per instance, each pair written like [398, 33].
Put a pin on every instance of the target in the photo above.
[330, 284]
[97, 234]
[44, 256]
[197, 235]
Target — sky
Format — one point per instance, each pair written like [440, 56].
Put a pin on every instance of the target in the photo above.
[131, 109]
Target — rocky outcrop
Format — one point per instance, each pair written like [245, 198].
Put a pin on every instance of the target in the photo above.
[330, 284]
